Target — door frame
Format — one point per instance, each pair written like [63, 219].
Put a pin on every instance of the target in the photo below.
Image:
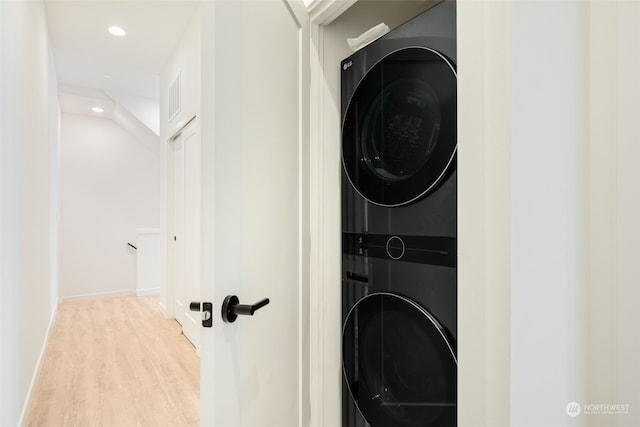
[483, 221]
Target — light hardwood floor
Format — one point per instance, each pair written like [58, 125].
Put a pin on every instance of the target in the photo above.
[117, 362]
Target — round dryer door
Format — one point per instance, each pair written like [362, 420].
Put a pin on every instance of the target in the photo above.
[399, 131]
[399, 366]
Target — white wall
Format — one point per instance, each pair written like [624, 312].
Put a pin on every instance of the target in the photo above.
[146, 110]
[548, 211]
[54, 184]
[109, 187]
[29, 127]
[185, 61]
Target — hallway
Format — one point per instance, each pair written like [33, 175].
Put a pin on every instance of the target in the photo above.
[117, 362]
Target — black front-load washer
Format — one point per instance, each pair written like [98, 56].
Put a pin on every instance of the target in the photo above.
[399, 233]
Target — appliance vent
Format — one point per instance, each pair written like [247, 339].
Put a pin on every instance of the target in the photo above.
[174, 98]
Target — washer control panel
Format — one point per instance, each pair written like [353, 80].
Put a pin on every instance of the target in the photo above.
[433, 250]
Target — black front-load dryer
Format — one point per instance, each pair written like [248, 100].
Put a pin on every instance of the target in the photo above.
[399, 235]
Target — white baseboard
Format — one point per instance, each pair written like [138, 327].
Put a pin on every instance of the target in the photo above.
[36, 372]
[147, 291]
[163, 309]
[99, 295]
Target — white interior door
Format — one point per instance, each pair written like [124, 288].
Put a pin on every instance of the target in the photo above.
[251, 369]
[187, 229]
[178, 228]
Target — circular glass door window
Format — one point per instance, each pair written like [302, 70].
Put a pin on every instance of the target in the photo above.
[399, 130]
[398, 363]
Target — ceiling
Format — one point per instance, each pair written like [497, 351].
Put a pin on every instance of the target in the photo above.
[84, 51]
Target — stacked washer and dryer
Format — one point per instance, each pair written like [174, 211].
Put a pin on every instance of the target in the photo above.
[399, 233]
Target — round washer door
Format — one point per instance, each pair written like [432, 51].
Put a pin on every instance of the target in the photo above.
[399, 132]
[398, 364]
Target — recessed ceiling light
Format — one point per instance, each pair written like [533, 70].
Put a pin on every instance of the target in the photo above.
[117, 31]
[97, 109]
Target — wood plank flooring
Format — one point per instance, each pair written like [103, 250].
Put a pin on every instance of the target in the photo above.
[117, 362]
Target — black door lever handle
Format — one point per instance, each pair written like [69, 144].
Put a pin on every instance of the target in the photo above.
[231, 308]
